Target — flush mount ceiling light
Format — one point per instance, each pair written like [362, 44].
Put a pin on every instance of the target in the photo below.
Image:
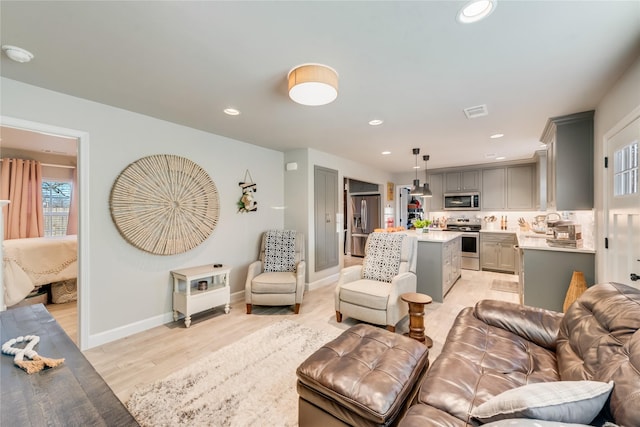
[231, 111]
[476, 10]
[18, 54]
[426, 191]
[313, 84]
[416, 190]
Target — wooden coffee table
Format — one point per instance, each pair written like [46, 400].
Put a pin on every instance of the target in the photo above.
[416, 303]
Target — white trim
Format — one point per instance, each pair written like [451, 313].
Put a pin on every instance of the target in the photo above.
[618, 127]
[127, 330]
[325, 281]
[83, 214]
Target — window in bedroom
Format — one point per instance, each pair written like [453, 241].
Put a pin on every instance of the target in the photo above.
[56, 198]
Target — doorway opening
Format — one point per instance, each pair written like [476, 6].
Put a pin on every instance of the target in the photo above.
[61, 152]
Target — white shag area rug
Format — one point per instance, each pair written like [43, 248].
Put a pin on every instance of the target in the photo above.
[251, 382]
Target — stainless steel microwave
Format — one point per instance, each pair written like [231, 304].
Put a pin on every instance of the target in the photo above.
[462, 201]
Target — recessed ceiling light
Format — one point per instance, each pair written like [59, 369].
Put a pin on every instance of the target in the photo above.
[496, 135]
[500, 158]
[18, 54]
[376, 122]
[385, 153]
[231, 111]
[476, 10]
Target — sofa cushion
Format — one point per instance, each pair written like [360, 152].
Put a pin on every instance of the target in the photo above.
[367, 293]
[599, 339]
[563, 401]
[382, 260]
[274, 283]
[524, 422]
[478, 362]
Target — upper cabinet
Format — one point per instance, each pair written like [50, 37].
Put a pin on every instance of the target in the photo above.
[435, 202]
[462, 181]
[569, 142]
[508, 188]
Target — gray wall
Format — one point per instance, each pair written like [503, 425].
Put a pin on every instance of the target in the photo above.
[127, 286]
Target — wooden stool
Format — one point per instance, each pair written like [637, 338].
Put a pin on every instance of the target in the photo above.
[416, 316]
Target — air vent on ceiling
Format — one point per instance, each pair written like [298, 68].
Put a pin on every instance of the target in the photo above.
[477, 111]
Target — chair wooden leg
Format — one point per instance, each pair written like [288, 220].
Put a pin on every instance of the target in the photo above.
[249, 308]
[338, 317]
[296, 309]
[391, 328]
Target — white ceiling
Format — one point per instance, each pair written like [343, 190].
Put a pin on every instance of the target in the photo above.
[408, 63]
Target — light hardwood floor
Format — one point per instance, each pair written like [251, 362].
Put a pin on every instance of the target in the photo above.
[152, 355]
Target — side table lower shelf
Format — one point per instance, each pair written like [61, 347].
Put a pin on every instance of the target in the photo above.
[200, 288]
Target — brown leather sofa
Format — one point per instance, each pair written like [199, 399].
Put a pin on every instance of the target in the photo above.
[497, 346]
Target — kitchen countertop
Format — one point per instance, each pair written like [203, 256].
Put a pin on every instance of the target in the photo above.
[531, 240]
[434, 235]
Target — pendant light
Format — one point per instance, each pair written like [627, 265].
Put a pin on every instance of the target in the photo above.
[416, 190]
[426, 191]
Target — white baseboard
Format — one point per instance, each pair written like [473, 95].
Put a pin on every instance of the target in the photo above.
[325, 281]
[141, 326]
[127, 330]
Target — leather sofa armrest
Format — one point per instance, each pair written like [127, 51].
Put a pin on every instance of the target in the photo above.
[537, 325]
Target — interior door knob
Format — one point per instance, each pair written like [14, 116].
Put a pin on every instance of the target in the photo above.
[634, 277]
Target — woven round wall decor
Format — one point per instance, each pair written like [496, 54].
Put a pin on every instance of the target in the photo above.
[164, 204]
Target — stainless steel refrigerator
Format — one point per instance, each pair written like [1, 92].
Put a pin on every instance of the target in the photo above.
[366, 218]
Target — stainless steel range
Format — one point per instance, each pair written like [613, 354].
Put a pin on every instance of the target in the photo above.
[470, 229]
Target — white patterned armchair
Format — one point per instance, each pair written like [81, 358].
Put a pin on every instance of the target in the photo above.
[277, 278]
[371, 292]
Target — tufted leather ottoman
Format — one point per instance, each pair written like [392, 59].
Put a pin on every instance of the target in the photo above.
[366, 376]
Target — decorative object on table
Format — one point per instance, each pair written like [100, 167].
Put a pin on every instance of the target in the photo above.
[524, 225]
[577, 287]
[37, 362]
[247, 202]
[490, 222]
[164, 204]
[422, 225]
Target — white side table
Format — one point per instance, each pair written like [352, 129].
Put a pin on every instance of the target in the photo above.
[188, 299]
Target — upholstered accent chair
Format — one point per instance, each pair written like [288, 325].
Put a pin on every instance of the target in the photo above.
[371, 291]
[277, 278]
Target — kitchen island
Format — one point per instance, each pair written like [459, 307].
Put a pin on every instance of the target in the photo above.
[438, 262]
[546, 271]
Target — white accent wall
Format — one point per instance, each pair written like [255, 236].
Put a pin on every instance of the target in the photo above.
[619, 102]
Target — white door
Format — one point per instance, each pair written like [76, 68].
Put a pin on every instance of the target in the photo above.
[622, 210]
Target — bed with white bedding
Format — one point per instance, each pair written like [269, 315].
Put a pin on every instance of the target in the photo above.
[30, 263]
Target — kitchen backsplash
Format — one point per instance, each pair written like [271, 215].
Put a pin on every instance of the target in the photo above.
[585, 218]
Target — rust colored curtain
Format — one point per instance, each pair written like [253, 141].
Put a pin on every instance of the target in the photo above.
[22, 185]
[72, 223]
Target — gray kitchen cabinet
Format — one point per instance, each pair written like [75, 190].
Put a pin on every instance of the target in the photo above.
[547, 274]
[493, 189]
[520, 187]
[508, 188]
[540, 197]
[438, 267]
[435, 202]
[468, 180]
[569, 142]
[497, 252]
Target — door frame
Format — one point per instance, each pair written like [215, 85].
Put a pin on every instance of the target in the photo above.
[608, 136]
[82, 164]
